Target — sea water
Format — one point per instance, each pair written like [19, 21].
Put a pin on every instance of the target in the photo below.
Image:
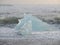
[9, 30]
[9, 33]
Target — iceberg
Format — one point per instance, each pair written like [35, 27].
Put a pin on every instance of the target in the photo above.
[30, 24]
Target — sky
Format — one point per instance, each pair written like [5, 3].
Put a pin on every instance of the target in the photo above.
[29, 1]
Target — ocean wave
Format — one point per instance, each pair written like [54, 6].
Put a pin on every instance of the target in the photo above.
[6, 32]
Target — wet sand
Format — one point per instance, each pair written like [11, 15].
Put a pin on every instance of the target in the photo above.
[42, 38]
[30, 41]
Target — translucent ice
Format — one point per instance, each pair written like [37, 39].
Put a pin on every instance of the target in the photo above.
[25, 25]
[30, 23]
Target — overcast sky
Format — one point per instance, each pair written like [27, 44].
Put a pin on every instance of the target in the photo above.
[29, 1]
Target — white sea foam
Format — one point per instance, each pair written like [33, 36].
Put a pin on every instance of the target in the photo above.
[8, 32]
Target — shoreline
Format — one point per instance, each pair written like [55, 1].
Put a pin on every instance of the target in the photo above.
[29, 42]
